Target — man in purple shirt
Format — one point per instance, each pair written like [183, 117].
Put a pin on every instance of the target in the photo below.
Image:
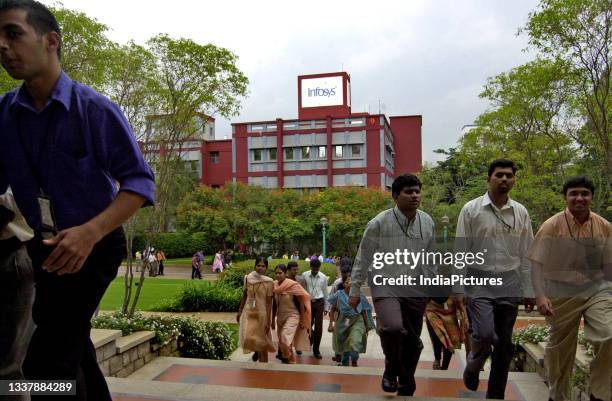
[77, 174]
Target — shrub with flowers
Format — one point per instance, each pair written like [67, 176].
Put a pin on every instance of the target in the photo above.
[196, 339]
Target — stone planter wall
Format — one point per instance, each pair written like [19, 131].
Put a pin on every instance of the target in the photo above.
[534, 362]
[120, 356]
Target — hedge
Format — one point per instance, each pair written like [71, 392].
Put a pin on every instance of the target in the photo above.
[203, 296]
[196, 339]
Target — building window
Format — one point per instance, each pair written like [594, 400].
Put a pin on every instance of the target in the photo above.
[256, 155]
[306, 153]
[338, 151]
[355, 150]
[214, 157]
[322, 152]
[289, 154]
[273, 154]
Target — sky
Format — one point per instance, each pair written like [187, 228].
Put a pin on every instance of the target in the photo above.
[429, 57]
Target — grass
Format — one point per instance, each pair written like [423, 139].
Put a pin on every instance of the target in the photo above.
[154, 291]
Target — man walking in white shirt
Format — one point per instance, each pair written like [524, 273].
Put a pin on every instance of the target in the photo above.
[501, 226]
[315, 283]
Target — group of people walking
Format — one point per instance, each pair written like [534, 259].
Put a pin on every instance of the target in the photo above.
[565, 271]
[293, 305]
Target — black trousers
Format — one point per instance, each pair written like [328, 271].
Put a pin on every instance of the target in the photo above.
[317, 306]
[440, 352]
[61, 347]
[400, 321]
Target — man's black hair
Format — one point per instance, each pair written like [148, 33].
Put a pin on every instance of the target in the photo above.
[579, 181]
[292, 264]
[346, 268]
[503, 163]
[314, 262]
[38, 16]
[403, 181]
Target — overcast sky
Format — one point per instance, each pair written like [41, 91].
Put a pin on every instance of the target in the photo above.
[413, 57]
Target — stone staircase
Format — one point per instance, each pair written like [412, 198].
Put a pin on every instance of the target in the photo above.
[170, 378]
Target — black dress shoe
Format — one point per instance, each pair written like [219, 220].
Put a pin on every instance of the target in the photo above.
[389, 385]
[593, 398]
[405, 391]
[318, 356]
[470, 381]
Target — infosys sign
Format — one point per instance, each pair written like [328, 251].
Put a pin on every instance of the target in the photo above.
[320, 92]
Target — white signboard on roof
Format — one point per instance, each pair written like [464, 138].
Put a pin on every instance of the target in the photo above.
[321, 92]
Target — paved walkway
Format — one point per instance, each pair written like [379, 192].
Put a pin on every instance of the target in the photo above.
[178, 272]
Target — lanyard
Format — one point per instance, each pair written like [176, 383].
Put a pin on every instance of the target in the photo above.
[501, 219]
[406, 231]
[577, 236]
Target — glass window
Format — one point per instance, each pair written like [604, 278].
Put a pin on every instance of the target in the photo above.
[306, 153]
[322, 151]
[273, 154]
[289, 154]
[355, 150]
[338, 151]
[257, 155]
[214, 157]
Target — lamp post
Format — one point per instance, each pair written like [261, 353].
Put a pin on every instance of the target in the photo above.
[324, 223]
[445, 221]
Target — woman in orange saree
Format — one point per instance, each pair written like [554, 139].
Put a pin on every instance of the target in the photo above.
[292, 311]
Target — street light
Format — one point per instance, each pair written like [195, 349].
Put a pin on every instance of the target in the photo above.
[445, 221]
[323, 223]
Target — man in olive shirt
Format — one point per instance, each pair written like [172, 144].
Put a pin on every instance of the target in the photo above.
[572, 260]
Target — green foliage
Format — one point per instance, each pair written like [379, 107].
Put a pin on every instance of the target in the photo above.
[203, 297]
[285, 220]
[176, 245]
[208, 340]
[196, 339]
[165, 328]
[531, 334]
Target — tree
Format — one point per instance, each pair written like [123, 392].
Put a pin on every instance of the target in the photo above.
[579, 33]
[195, 82]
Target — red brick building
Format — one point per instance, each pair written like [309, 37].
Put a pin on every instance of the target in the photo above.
[328, 145]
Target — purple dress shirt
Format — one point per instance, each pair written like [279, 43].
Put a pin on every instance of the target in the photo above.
[79, 149]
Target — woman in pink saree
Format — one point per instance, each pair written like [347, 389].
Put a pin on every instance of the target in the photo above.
[292, 311]
[217, 266]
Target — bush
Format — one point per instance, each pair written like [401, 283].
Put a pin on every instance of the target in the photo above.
[196, 339]
[203, 297]
[165, 329]
[208, 340]
[234, 276]
[176, 245]
[531, 334]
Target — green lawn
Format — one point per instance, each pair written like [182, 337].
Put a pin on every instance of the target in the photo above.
[154, 291]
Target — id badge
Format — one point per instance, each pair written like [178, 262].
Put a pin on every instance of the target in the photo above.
[46, 216]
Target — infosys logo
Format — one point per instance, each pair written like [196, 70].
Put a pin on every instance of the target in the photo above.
[322, 92]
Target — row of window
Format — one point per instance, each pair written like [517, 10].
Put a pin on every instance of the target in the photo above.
[308, 152]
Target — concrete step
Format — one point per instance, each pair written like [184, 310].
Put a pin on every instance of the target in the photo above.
[314, 379]
[142, 390]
